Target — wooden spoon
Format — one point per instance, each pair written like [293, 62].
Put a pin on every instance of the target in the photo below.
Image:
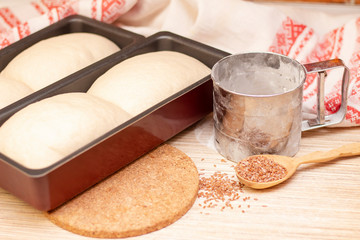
[292, 163]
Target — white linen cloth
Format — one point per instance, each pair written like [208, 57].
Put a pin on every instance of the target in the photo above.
[231, 25]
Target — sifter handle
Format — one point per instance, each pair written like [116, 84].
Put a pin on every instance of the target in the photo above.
[321, 120]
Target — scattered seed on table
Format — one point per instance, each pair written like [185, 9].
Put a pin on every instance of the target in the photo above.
[219, 188]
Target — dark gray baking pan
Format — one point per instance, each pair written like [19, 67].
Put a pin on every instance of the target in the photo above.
[71, 24]
[47, 188]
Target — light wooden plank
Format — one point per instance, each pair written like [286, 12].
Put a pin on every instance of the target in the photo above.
[321, 201]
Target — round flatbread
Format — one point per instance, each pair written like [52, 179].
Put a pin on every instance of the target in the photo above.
[57, 57]
[149, 194]
[48, 130]
[144, 80]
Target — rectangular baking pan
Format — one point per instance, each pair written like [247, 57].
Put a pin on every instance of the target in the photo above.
[71, 24]
[47, 188]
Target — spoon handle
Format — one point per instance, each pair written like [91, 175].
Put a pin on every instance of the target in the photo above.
[347, 150]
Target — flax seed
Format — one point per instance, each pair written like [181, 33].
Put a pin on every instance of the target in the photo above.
[260, 169]
[219, 188]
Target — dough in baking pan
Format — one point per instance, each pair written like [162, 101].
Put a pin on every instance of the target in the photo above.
[11, 91]
[55, 58]
[144, 80]
[46, 131]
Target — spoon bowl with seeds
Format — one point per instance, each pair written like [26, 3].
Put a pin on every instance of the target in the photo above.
[264, 171]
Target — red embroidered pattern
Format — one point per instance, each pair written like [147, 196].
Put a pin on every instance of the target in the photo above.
[324, 51]
[333, 102]
[287, 36]
[23, 30]
[353, 114]
[63, 12]
[110, 8]
[4, 42]
[309, 79]
[12, 28]
[38, 8]
[9, 18]
[50, 4]
[303, 42]
[93, 9]
[339, 42]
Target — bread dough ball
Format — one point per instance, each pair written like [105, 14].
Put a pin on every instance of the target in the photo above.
[11, 91]
[46, 131]
[144, 80]
[55, 58]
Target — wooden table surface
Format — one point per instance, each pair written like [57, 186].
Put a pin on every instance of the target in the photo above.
[321, 201]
